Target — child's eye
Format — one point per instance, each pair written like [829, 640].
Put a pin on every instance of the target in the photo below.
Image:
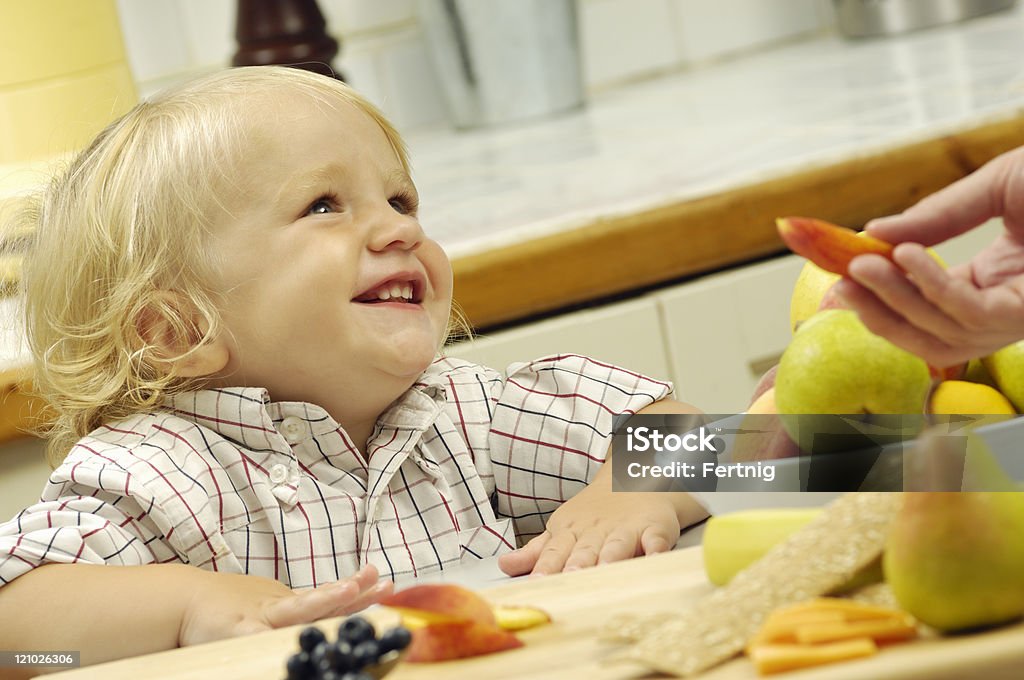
[321, 206]
[405, 204]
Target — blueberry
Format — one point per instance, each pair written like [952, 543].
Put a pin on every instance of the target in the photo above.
[365, 653]
[340, 656]
[329, 675]
[300, 667]
[394, 639]
[356, 629]
[310, 637]
[321, 656]
[356, 675]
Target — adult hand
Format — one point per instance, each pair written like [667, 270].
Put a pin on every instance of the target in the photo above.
[948, 316]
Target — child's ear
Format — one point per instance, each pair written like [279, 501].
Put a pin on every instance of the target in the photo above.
[174, 328]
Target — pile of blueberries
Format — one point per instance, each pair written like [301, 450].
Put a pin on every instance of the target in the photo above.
[356, 648]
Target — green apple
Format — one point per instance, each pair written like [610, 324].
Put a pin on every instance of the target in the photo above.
[835, 365]
[1006, 367]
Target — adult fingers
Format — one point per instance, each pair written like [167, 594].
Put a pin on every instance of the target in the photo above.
[924, 301]
[519, 562]
[953, 210]
[882, 320]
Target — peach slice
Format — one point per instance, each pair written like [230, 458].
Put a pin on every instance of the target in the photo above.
[520, 618]
[827, 245]
[441, 602]
[452, 622]
[458, 639]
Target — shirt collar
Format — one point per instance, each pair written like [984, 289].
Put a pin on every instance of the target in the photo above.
[247, 416]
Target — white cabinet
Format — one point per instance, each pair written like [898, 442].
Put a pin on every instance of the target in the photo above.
[723, 331]
[627, 334]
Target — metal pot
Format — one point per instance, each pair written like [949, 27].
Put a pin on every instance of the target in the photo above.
[865, 18]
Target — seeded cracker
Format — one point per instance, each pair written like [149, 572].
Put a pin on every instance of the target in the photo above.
[846, 537]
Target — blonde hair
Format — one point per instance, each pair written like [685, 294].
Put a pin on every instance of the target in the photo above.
[127, 221]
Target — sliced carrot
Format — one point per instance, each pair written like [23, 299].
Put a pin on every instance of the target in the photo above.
[852, 610]
[879, 630]
[778, 658]
[781, 626]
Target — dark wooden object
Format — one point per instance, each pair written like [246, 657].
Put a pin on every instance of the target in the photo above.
[287, 32]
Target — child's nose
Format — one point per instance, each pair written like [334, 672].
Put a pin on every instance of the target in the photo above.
[393, 229]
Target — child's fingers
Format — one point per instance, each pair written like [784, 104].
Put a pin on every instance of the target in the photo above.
[522, 561]
[372, 595]
[657, 539]
[587, 549]
[309, 605]
[554, 553]
[621, 544]
[366, 577]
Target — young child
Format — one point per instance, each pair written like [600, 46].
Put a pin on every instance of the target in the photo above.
[236, 316]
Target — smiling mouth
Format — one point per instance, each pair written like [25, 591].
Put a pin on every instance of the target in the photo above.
[408, 291]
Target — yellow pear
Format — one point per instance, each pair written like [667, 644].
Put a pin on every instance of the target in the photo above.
[835, 365]
[811, 286]
[954, 557]
[1006, 366]
[977, 373]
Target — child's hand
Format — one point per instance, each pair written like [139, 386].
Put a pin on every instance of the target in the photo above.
[597, 526]
[228, 605]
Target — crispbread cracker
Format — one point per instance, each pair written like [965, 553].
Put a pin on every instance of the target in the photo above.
[814, 560]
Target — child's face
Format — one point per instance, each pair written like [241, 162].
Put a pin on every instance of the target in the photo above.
[332, 292]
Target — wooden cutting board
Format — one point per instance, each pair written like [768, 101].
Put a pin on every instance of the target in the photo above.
[568, 648]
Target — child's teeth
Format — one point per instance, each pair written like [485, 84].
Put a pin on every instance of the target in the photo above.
[407, 292]
[396, 290]
[384, 295]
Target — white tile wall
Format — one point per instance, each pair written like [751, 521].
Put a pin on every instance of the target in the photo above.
[154, 38]
[625, 39]
[708, 30]
[349, 17]
[384, 55]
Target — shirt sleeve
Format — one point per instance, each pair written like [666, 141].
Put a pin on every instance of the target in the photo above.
[551, 429]
[88, 514]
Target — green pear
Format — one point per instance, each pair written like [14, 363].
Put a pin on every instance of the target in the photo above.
[955, 559]
[1006, 367]
[835, 365]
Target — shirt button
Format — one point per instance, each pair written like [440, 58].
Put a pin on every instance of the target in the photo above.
[293, 429]
[278, 473]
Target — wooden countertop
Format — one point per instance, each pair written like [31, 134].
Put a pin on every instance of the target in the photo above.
[580, 603]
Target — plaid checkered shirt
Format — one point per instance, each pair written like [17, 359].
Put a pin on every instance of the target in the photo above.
[461, 466]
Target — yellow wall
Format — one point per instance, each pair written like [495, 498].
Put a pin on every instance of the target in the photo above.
[63, 75]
